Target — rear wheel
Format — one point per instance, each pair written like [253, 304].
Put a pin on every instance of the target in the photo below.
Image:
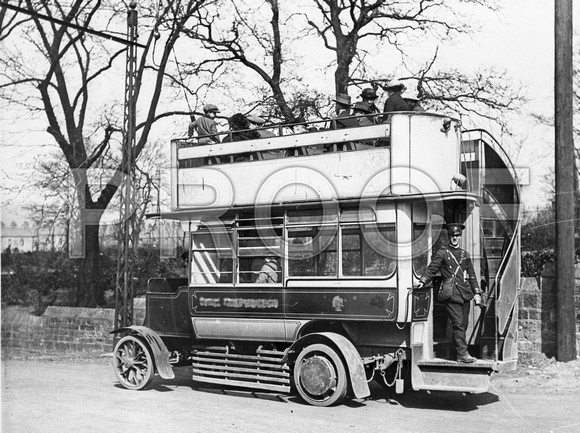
[133, 363]
[320, 376]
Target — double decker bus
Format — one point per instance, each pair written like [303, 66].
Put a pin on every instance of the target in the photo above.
[345, 220]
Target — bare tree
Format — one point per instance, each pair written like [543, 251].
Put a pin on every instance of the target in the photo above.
[487, 93]
[343, 26]
[256, 37]
[10, 20]
[62, 82]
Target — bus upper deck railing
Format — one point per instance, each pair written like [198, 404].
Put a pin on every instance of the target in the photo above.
[310, 143]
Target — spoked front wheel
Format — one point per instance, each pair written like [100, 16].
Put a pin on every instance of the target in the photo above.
[133, 363]
[320, 376]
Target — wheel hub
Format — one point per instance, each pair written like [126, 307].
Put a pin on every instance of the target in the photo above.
[317, 375]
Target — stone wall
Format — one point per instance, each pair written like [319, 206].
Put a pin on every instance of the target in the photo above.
[87, 329]
[66, 329]
[59, 329]
[537, 315]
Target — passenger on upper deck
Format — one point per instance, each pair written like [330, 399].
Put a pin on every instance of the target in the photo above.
[300, 126]
[343, 119]
[369, 96]
[412, 99]
[240, 129]
[360, 109]
[395, 101]
[207, 126]
[258, 122]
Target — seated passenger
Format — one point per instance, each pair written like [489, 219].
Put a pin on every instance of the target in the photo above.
[258, 122]
[343, 119]
[269, 271]
[369, 96]
[240, 129]
[206, 125]
[395, 101]
[360, 109]
[414, 102]
[300, 126]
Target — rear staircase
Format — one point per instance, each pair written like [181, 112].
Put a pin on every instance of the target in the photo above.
[492, 333]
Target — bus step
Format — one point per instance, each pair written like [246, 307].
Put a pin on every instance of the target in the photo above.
[265, 370]
[445, 375]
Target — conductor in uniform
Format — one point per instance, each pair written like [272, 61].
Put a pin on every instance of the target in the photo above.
[453, 260]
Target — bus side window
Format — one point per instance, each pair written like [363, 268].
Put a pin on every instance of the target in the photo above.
[253, 248]
[369, 250]
[311, 252]
[211, 256]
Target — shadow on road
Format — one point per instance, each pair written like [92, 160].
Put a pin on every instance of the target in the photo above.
[447, 401]
[436, 400]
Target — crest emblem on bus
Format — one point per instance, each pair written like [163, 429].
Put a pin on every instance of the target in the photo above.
[338, 303]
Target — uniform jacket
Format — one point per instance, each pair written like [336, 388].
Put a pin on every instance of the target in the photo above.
[465, 288]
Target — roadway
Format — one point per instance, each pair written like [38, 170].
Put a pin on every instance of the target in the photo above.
[83, 395]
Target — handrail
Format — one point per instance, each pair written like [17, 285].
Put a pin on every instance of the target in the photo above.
[504, 261]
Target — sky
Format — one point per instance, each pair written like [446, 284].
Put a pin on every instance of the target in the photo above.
[518, 39]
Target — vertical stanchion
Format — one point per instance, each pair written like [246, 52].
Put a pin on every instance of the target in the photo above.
[124, 287]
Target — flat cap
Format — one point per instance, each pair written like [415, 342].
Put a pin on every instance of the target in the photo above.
[211, 107]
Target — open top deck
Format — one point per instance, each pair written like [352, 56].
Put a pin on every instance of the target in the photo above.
[413, 153]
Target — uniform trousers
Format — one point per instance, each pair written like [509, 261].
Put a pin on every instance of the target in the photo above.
[459, 316]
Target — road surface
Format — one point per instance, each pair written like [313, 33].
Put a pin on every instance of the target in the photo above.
[82, 395]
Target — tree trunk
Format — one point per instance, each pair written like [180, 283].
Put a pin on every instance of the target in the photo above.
[345, 52]
[90, 291]
[341, 77]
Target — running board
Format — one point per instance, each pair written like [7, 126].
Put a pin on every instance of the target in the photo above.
[265, 370]
[444, 375]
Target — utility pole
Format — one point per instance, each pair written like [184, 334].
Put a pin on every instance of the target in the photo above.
[124, 289]
[564, 164]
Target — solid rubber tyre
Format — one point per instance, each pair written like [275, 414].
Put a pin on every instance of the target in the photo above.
[320, 376]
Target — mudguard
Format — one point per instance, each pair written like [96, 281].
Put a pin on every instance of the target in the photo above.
[157, 346]
[355, 368]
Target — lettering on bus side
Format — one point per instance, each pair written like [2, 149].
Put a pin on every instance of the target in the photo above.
[236, 303]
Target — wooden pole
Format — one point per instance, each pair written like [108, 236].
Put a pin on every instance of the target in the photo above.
[564, 165]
